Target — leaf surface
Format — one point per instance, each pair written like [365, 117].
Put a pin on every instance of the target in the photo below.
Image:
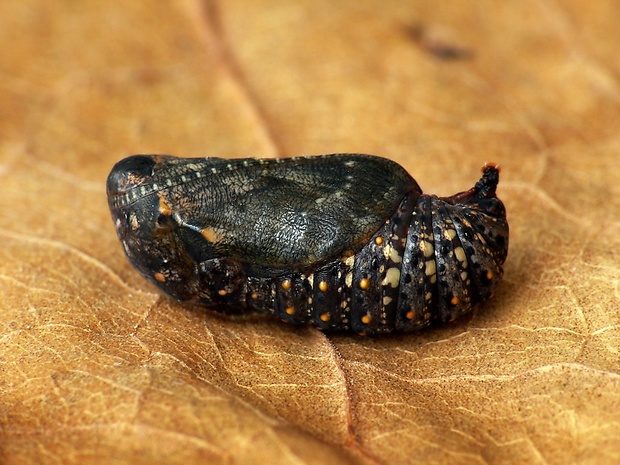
[97, 367]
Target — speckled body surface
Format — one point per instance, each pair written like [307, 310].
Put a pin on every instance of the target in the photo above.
[344, 241]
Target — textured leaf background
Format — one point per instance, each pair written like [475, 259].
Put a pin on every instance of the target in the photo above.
[97, 367]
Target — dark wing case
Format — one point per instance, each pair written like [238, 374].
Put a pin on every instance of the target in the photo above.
[280, 213]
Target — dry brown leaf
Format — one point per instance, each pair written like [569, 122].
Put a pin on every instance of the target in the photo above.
[97, 367]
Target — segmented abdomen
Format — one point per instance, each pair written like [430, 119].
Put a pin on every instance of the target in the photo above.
[430, 261]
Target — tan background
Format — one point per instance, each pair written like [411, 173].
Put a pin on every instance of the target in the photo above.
[97, 367]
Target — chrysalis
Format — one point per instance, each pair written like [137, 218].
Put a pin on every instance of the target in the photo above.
[346, 242]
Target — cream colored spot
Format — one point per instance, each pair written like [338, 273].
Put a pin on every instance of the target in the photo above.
[133, 220]
[349, 261]
[464, 275]
[427, 248]
[392, 278]
[430, 269]
[386, 301]
[428, 296]
[395, 256]
[348, 279]
[386, 251]
[450, 234]
[459, 253]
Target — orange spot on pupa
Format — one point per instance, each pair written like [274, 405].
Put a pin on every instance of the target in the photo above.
[164, 208]
[366, 319]
[286, 285]
[211, 235]
[364, 284]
